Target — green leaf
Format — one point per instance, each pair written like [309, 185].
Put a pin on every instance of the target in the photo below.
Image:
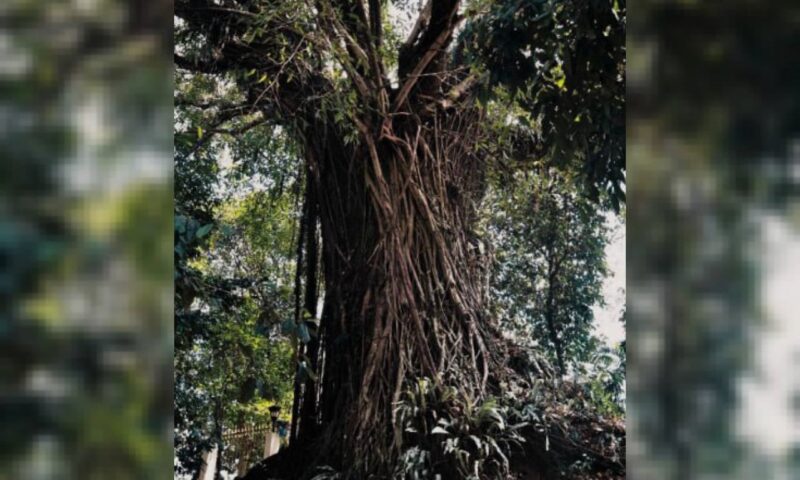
[313, 321]
[203, 231]
[180, 223]
[288, 326]
[476, 441]
[302, 333]
[439, 431]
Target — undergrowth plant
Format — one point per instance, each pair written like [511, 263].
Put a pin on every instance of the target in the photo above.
[453, 435]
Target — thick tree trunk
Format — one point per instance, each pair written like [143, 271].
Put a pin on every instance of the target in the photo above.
[405, 296]
[404, 287]
[404, 281]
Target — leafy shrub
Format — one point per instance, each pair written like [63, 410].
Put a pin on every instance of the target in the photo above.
[453, 434]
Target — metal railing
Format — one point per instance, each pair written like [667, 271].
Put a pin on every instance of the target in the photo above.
[248, 445]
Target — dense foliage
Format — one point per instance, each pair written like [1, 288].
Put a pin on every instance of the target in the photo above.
[234, 241]
[714, 118]
[85, 331]
[549, 242]
[394, 131]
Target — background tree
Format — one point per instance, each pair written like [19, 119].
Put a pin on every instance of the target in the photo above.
[235, 221]
[550, 243]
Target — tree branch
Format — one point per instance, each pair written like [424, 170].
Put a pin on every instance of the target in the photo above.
[221, 119]
[461, 89]
[421, 23]
[375, 19]
[199, 66]
[433, 50]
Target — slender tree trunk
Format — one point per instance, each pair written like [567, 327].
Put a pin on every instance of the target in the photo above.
[298, 346]
[218, 436]
[307, 410]
[553, 268]
[551, 321]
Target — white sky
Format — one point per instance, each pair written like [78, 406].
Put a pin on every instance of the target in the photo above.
[767, 420]
[607, 317]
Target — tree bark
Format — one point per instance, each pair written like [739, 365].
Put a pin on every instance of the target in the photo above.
[308, 411]
[299, 348]
[218, 422]
[404, 288]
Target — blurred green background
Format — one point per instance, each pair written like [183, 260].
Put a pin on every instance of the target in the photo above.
[713, 235]
[85, 239]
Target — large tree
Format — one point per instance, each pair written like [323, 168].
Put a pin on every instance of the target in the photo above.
[398, 132]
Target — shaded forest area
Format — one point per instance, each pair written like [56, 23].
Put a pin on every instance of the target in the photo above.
[396, 232]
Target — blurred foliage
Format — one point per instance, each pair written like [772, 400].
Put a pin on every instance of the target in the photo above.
[84, 248]
[713, 124]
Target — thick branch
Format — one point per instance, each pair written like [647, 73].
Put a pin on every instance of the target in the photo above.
[334, 31]
[375, 19]
[221, 119]
[435, 18]
[434, 49]
[460, 90]
[421, 23]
